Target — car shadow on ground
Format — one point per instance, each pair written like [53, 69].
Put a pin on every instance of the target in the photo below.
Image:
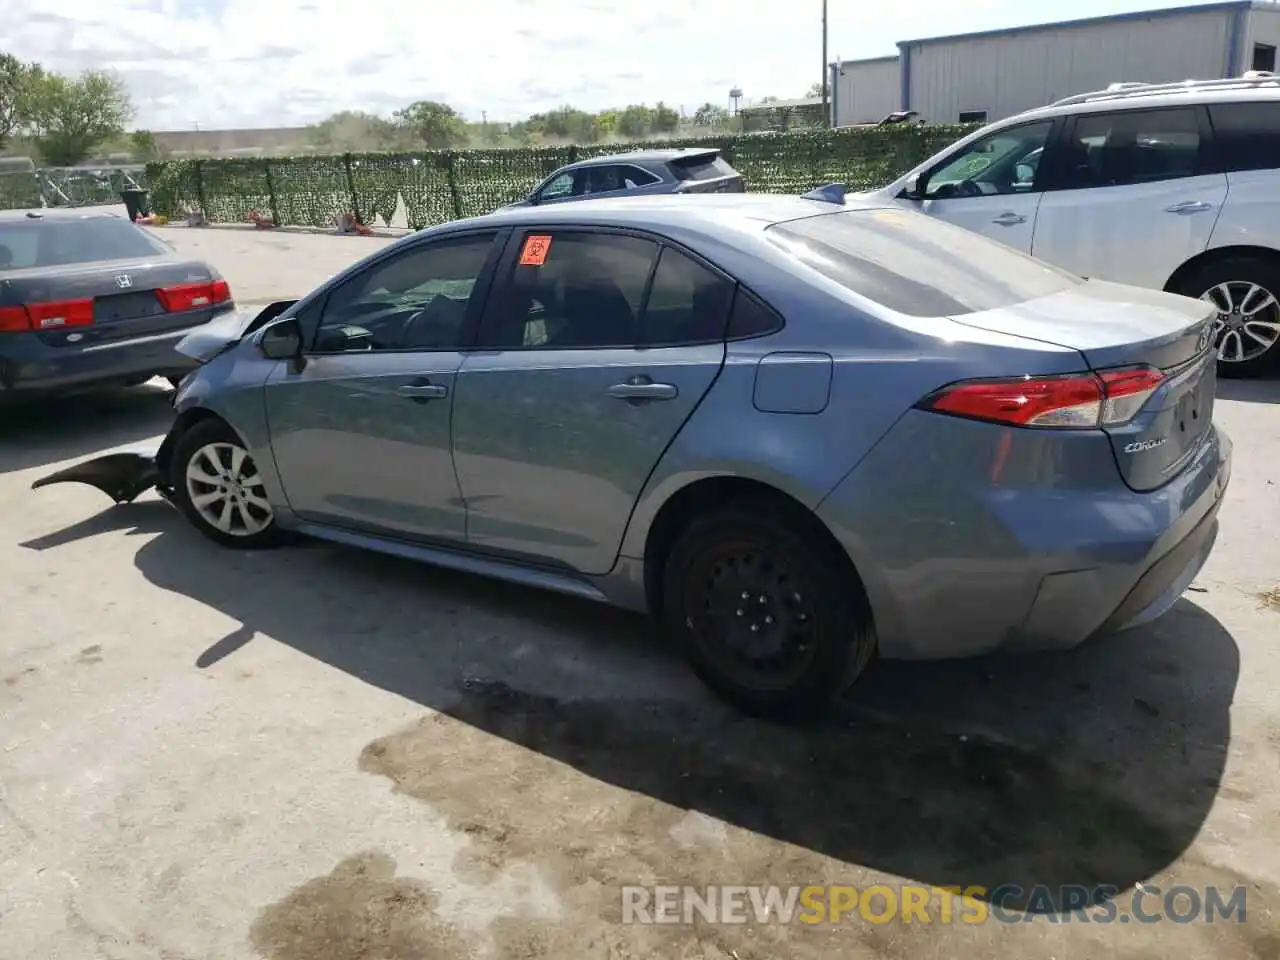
[1097, 766]
[64, 428]
[1250, 391]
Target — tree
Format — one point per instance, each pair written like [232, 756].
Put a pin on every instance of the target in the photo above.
[356, 130]
[635, 121]
[815, 89]
[15, 101]
[437, 125]
[710, 115]
[143, 146]
[664, 119]
[70, 117]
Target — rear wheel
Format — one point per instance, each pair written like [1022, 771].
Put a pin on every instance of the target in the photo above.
[218, 486]
[772, 615]
[1245, 291]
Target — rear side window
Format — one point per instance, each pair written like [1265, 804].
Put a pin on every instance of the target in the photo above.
[916, 265]
[56, 242]
[573, 290]
[688, 303]
[707, 167]
[1247, 135]
[1130, 146]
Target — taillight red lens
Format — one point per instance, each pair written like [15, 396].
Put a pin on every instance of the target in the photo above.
[1081, 401]
[14, 320]
[64, 313]
[193, 296]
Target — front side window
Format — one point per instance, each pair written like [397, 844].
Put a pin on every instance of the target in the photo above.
[916, 264]
[414, 300]
[999, 164]
[558, 187]
[572, 290]
[1129, 147]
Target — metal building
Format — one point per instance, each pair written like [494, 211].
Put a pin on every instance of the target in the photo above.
[995, 74]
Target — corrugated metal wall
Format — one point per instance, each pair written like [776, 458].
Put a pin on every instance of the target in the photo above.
[866, 90]
[1264, 27]
[1004, 75]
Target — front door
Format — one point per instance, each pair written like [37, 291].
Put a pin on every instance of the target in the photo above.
[579, 383]
[1132, 197]
[361, 433]
[992, 186]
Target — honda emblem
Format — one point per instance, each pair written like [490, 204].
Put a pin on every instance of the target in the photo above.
[124, 281]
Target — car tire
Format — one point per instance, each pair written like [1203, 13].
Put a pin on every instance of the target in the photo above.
[770, 611]
[209, 468]
[1229, 283]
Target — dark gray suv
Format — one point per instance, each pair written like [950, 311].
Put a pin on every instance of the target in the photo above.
[683, 170]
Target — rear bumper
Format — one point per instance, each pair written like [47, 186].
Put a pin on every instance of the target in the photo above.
[29, 367]
[1041, 550]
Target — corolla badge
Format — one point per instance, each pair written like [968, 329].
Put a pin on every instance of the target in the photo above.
[1141, 446]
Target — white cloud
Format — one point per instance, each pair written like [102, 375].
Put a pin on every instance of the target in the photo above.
[257, 63]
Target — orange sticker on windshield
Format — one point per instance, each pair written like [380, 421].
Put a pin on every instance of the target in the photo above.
[535, 250]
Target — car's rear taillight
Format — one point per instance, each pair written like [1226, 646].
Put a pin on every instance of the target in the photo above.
[14, 320]
[1078, 401]
[47, 316]
[194, 296]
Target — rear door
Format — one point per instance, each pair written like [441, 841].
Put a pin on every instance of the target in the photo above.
[994, 185]
[1134, 196]
[361, 433]
[598, 349]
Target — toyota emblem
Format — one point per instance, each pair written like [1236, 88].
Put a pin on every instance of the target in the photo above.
[1205, 336]
[124, 281]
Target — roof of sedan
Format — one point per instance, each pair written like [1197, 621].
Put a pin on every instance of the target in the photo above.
[58, 213]
[644, 156]
[744, 211]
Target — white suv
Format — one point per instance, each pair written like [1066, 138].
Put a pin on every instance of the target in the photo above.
[1171, 186]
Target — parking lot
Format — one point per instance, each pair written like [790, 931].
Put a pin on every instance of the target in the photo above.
[319, 754]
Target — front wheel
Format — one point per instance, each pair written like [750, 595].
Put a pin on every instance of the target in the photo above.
[1244, 291]
[218, 486]
[771, 612]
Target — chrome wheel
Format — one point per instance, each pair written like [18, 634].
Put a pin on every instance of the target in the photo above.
[226, 490]
[1248, 321]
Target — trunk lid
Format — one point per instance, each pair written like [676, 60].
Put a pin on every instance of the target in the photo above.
[1113, 327]
[114, 300]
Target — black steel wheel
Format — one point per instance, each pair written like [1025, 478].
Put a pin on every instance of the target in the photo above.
[771, 612]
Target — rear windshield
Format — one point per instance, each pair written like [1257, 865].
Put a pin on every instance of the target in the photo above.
[916, 265]
[58, 241]
[702, 168]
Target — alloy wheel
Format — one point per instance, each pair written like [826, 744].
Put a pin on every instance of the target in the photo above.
[1248, 320]
[226, 489]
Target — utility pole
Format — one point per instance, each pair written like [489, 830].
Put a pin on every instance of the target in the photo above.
[826, 72]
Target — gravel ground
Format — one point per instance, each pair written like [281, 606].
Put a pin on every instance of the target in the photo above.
[318, 754]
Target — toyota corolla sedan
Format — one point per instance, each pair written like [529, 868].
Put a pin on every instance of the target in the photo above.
[799, 431]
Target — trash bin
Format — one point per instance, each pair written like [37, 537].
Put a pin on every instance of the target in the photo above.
[135, 203]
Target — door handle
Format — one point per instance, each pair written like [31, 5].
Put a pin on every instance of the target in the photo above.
[642, 388]
[1009, 219]
[423, 391]
[1189, 206]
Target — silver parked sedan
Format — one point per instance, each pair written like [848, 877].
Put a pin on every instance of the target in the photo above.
[799, 431]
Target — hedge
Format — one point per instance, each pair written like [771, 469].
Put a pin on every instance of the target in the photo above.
[437, 186]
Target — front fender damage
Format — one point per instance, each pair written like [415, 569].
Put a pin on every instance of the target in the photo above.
[123, 475]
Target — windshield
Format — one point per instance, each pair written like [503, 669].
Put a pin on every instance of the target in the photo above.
[59, 241]
[916, 265]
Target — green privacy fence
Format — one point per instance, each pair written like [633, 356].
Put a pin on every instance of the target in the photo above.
[437, 186]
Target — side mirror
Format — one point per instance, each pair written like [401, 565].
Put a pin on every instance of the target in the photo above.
[532, 199]
[912, 190]
[281, 341]
[344, 339]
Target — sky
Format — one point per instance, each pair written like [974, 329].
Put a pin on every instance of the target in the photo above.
[228, 64]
